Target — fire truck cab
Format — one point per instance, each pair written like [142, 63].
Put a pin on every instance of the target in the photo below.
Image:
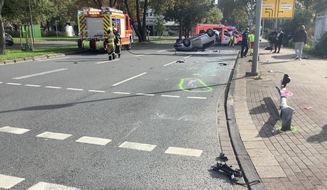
[93, 24]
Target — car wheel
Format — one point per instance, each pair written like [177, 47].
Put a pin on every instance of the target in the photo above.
[186, 42]
[210, 32]
[10, 43]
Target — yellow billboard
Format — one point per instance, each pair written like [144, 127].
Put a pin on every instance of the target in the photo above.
[277, 9]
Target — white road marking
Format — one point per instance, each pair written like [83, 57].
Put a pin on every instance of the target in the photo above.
[11, 83]
[51, 59]
[51, 135]
[93, 140]
[169, 63]
[161, 50]
[187, 56]
[75, 89]
[129, 79]
[196, 97]
[137, 146]
[50, 186]
[7, 181]
[14, 130]
[38, 74]
[53, 87]
[121, 93]
[96, 91]
[144, 94]
[32, 85]
[138, 55]
[107, 61]
[184, 151]
[1, 82]
[170, 96]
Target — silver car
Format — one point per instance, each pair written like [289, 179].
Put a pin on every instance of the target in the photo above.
[200, 42]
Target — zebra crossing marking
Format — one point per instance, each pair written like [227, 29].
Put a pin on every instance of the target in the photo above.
[137, 146]
[56, 136]
[184, 151]
[50, 186]
[7, 181]
[14, 130]
[93, 140]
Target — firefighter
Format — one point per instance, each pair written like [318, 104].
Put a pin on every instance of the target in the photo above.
[111, 44]
[117, 42]
[232, 40]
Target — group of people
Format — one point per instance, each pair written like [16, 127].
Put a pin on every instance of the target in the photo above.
[275, 39]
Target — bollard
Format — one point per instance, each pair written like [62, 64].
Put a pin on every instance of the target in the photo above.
[286, 113]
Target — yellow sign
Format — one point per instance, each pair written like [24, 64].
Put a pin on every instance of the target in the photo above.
[278, 9]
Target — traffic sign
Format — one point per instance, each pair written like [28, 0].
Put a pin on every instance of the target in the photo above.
[278, 9]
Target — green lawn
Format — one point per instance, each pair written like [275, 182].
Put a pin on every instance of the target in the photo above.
[14, 54]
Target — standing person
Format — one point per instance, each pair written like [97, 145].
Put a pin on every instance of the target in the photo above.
[279, 41]
[245, 43]
[110, 46]
[272, 39]
[231, 40]
[299, 39]
[251, 39]
[117, 42]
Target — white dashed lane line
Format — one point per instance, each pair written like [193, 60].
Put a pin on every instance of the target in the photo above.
[33, 85]
[170, 96]
[184, 151]
[39, 74]
[101, 62]
[93, 140]
[102, 91]
[169, 63]
[138, 146]
[53, 87]
[75, 89]
[15, 84]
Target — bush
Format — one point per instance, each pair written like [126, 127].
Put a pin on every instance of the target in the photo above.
[320, 48]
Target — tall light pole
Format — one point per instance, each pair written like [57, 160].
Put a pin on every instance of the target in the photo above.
[255, 58]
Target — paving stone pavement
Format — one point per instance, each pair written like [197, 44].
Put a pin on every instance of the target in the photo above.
[294, 159]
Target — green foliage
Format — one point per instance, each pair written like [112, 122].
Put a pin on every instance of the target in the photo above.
[320, 48]
[214, 16]
[160, 27]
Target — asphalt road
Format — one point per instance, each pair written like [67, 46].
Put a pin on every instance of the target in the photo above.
[144, 121]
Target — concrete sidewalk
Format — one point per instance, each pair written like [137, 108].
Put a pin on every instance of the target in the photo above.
[295, 159]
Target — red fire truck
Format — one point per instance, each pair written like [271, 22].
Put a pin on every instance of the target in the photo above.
[93, 24]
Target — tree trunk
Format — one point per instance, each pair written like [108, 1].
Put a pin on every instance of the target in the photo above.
[139, 24]
[144, 20]
[2, 34]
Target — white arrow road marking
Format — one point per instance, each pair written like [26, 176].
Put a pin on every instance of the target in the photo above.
[38, 74]
[129, 79]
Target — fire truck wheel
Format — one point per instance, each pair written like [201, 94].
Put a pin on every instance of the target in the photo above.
[186, 42]
[79, 43]
[92, 44]
[210, 32]
[128, 47]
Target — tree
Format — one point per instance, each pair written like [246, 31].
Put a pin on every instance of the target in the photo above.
[160, 27]
[2, 36]
[214, 16]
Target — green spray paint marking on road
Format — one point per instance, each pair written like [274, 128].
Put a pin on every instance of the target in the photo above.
[194, 85]
[293, 129]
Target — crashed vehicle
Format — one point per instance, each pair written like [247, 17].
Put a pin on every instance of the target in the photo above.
[9, 39]
[201, 42]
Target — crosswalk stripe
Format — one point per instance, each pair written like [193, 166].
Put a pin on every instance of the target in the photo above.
[137, 146]
[50, 186]
[7, 181]
[56, 136]
[184, 151]
[14, 130]
[93, 140]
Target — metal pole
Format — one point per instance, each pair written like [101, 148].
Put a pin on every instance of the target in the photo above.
[254, 71]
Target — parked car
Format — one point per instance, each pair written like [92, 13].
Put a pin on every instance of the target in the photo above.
[9, 39]
[201, 42]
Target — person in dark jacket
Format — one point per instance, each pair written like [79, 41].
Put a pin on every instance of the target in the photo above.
[279, 41]
[299, 39]
[245, 43]
[272, 39]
